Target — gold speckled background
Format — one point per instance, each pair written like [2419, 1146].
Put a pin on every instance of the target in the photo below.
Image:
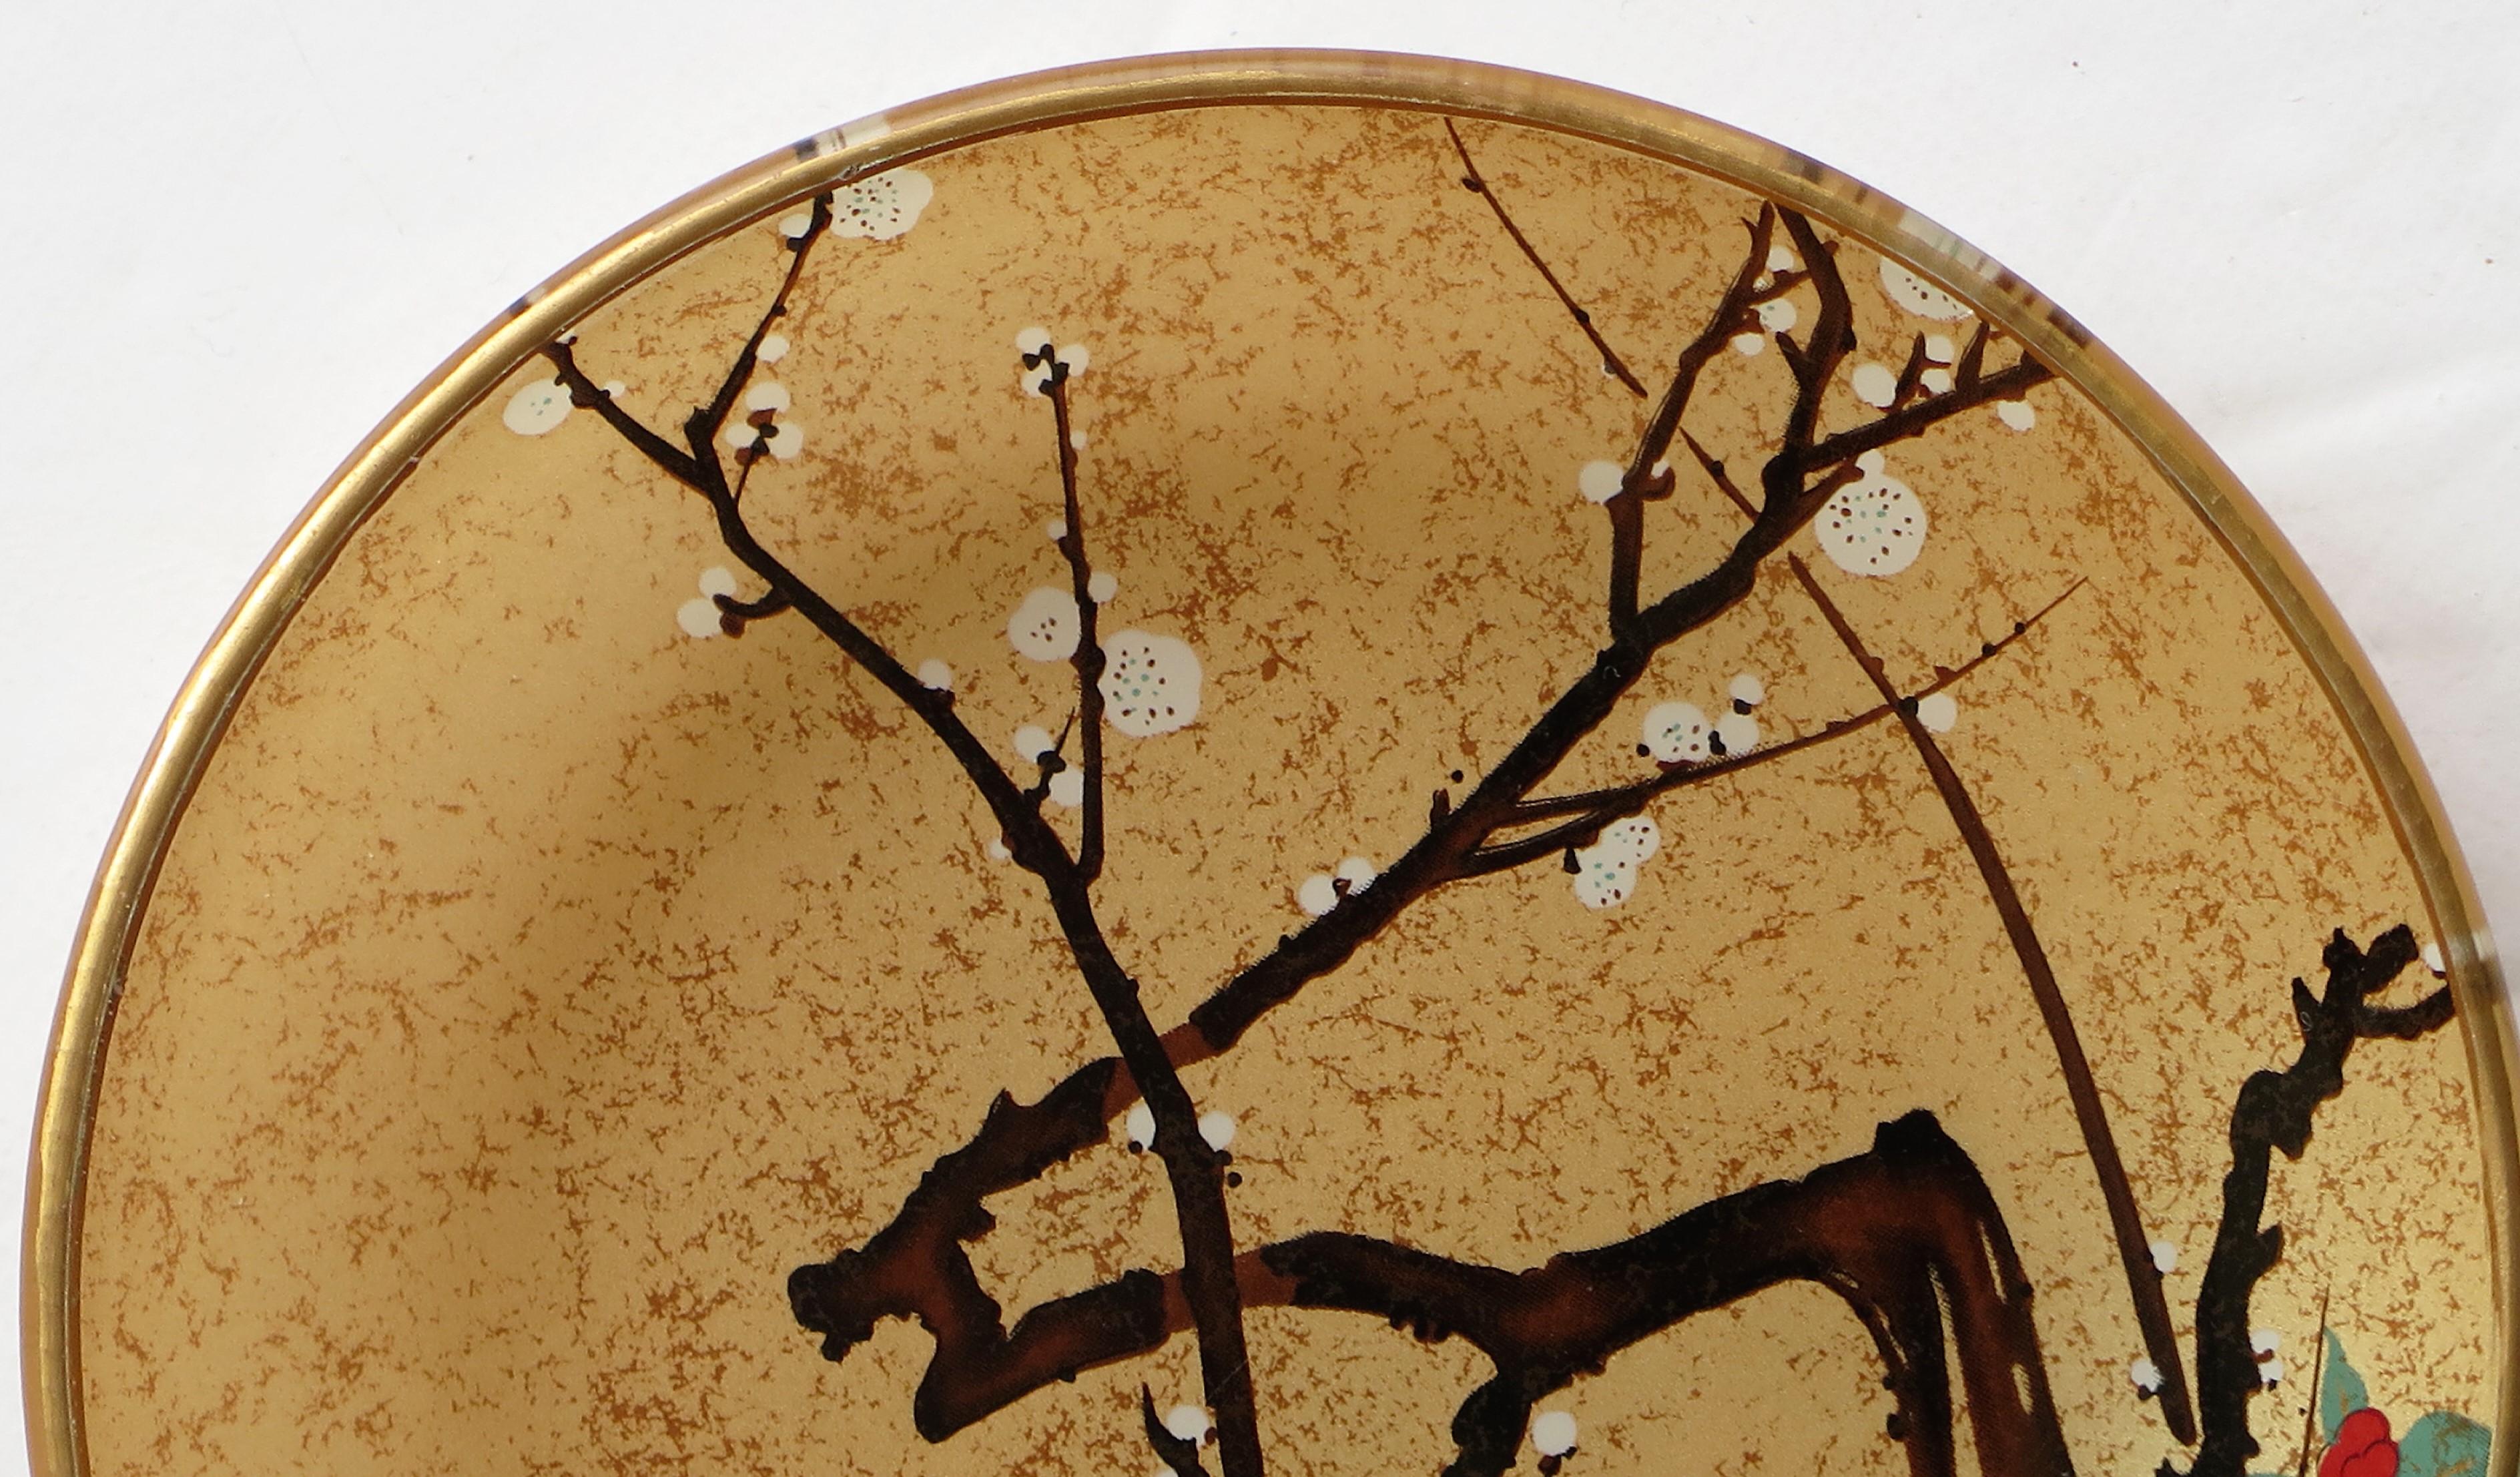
[531, 986]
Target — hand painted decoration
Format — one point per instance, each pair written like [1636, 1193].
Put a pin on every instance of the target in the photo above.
[1907, 1233]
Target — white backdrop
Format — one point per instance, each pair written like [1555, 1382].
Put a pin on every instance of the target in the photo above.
[234, 235]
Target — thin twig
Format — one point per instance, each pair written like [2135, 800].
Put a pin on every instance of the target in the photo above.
[1089, 656]
[2317, 1372]
[1477, 184]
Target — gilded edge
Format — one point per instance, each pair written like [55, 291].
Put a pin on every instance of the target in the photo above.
[83, 1023]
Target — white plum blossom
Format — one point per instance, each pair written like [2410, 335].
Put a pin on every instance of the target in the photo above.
[1875, 384]
[2165, 1254]
[1917, 295]
[1040, 364]
[1938, 711]
[783, 439]
[1187, 1423]
[1939, 349]
[2017, 413]
[1150, 683]
[1140, 1125]
[1102, 586]
[1748, 343]
[1681, 733]
[1606, 871]
[538, 407]
[701, 618]
[2433, 960]
[1781, 257]
[1602, 883]
[1045, 626]
[1553, 1433]
[772, 348]
[935, 673]
[1031, 741]
[881, 206]
[998, 850]
[2146, 1375]
[1635, 838]
[2264, 1342]
[1936, 381]
[1600, 482]
[1056, 529]
[1217, 1129]
[1873, 525]
[1778, 316]
[1321, 892]
[1067, 788]
[1675, 733]
[764, 401]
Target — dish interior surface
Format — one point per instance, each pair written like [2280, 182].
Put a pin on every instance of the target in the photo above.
[550, 1004]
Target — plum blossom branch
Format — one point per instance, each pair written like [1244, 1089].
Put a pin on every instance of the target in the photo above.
[1592, 810]
[1055, 368]
[2273, 1111]
[1647, 478]
[1192, 1168]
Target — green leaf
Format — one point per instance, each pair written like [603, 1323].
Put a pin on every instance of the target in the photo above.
[2340, 1390]
[2444, 1443]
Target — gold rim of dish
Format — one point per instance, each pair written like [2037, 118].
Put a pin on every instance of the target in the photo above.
[83, 1024]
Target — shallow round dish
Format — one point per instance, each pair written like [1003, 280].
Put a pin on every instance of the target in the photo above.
[1297, 762]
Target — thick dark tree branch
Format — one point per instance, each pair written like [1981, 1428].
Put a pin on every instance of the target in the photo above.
[2091, 1116]
[1477, 184]
[1898, 1232]
[2273, 1111]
